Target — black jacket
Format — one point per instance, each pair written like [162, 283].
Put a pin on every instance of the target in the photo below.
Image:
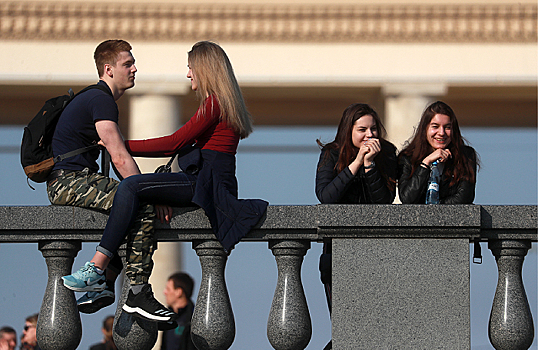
[216, 192]
[412, 190]
[346, 188]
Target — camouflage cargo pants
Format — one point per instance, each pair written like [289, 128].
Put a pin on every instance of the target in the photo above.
[95, 191]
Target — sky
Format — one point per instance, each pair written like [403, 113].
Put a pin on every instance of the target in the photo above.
[282, 174]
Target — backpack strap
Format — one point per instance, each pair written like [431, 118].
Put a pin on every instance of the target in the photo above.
[101, 87]
[105, 155]
[74, 153]
[105, 162]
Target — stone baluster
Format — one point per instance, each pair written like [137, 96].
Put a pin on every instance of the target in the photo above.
[289, 326]
[129, 332]
[213, 324]
[510, 322]
[59, 326]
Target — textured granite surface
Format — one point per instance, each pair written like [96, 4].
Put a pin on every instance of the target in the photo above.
[129, 332]
[401, 294]
[213, 324]
[311, 222]
[510, 324]
[499, 217]
[132, 333]
[400, 273]
[509, 222]
[289, 325]
[59, 305]
[390, 215]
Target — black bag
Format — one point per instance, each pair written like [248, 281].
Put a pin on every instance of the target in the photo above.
[36, 148]
[189, 161]
[167, 167]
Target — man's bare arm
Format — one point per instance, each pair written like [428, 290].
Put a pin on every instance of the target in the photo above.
[110, 135]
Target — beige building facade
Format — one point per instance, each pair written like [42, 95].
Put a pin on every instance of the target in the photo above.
[298, 63]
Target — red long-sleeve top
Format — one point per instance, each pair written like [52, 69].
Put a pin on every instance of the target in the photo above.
[204, 128]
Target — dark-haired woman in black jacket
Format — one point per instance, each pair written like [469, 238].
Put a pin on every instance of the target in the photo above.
[438, 138]
[358, 167]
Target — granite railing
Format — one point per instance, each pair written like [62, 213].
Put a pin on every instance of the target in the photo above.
[400, 274]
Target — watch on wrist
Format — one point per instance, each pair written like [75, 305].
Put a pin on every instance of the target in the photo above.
[370, 166]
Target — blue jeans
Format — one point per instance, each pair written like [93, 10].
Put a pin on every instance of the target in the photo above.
[173, 189]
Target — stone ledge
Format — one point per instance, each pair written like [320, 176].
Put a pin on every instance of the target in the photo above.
[390, 215]
[309, 222]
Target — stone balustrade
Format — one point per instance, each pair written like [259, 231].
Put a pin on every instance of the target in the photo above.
[400, 274]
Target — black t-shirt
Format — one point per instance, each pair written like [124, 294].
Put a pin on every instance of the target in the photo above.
[76, 128]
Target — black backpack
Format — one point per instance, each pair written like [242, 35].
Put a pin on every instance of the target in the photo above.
[36, 147]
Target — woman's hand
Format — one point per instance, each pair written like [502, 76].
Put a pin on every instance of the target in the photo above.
[163, 212]
[366, 154]
[373, 147]
[440, 155]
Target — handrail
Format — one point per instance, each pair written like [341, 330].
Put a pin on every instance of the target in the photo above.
[311, 222]
[509, 231]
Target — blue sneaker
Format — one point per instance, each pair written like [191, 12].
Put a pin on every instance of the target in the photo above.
[86, 279]
[92, 302]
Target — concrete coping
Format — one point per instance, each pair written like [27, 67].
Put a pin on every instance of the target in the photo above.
[298, 222]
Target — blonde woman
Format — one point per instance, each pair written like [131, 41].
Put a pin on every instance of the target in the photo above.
[208, 180]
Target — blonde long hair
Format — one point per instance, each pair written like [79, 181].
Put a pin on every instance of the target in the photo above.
[215, 76]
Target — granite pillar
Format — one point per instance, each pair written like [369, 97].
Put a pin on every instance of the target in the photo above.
[510, 323]
[289, 326]
[213, 324]
[59, 326]
[129, 332]
[400, 294]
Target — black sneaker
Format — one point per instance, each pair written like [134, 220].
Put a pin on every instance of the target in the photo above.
[146, 306]
[92, 302]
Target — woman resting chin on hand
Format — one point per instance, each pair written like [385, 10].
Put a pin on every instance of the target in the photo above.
[358, 167]
[437, 139]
